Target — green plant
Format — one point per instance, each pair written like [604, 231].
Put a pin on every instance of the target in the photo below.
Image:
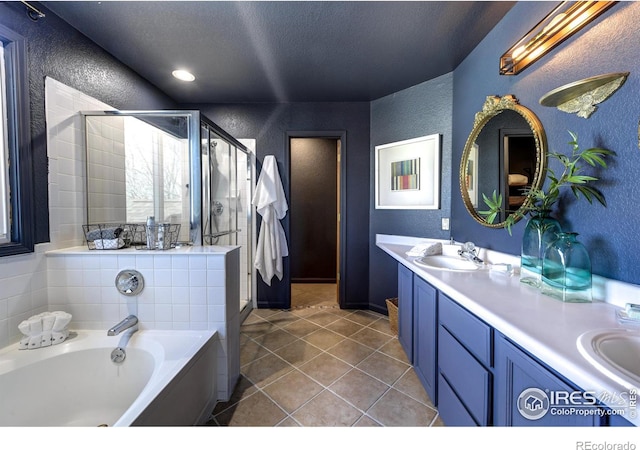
[572, 177]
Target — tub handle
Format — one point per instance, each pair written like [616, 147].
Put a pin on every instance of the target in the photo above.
[118, 355]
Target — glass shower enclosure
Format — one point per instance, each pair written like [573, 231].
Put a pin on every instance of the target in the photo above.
[179, 167]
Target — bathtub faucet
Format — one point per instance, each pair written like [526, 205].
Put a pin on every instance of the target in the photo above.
[127, 323]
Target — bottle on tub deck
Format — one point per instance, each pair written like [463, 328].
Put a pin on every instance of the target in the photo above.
[151, 230]
[160, 239]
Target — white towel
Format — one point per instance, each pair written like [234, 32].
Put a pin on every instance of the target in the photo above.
[271, 204]
[426, 249]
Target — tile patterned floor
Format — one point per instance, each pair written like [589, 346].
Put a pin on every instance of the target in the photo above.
[323, 367]
[305, 295]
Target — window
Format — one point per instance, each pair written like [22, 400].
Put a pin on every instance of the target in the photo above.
[5, 230]
[16, 189]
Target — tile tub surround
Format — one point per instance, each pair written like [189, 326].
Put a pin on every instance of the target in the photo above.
[189, 288]
[23, 291]
[545, 327]
[324, 367]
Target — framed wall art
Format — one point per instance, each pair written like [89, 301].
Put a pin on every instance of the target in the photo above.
[408, 174]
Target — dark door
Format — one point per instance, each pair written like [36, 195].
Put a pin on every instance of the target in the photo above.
[313, 208]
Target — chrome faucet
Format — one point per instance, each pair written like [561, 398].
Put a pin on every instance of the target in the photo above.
[125, 324]
[469, 251]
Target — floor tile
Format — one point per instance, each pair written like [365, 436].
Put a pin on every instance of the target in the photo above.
[322, 318]
[323, 338]
[266, 370]
[325, 368]
[396, 409]
[350, 351]
[301, 327]
[327, 410]
[383, 367]
[254, 411]
[275, 339]
[345, 327]
[363, 317]
[359, 389]
[366, 421]
[243, 389]
[257, 329]
[410, 384]
[293, 390]
[371, 338]
[395, 350]
[298, 352]
[250, 351]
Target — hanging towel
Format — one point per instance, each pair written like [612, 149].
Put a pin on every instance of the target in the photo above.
[271, 204]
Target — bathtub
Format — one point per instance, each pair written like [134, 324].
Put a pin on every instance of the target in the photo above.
[167, 378]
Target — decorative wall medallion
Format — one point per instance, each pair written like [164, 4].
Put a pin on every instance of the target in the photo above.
[581, 97]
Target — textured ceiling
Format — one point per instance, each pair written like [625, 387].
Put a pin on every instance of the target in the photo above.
[277, 51]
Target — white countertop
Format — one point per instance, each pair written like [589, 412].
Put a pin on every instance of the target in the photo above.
[545, 327]
[182, 250]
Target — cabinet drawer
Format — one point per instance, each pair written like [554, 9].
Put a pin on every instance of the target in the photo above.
[466, 376]
[451, 409]
[473, 333]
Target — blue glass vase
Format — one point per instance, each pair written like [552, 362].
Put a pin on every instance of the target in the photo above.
[540, 231]
[566, 270]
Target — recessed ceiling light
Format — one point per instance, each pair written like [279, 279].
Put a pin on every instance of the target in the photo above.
[183, 75]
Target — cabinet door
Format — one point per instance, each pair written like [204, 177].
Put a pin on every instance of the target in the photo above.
[425, 326]
[405, 310]
[520, 378]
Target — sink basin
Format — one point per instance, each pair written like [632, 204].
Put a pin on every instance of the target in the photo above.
[615, 353]
[446, 262]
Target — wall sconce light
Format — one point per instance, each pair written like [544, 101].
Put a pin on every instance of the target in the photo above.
[566, 19]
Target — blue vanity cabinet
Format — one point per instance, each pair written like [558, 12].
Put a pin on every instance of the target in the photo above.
[465, 357]
[405, 310]
[517, 373]
[425, 331]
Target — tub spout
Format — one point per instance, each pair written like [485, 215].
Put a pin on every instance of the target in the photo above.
[127, 323]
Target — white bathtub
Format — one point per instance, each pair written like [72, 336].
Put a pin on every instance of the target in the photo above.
[167, 378]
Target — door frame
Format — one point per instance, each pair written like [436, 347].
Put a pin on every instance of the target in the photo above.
[341, 136]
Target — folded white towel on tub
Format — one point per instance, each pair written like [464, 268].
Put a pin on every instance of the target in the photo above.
[44, 329]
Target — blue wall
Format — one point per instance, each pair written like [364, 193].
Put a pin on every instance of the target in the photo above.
[610, 44]
[421, 110]
[57, 50]
[268, 124]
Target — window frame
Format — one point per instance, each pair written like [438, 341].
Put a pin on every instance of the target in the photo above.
[19, 145]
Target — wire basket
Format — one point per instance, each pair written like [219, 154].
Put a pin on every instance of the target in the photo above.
[163, 236]
[109, 236]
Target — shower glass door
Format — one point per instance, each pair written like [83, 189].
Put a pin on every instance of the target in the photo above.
[226, 200]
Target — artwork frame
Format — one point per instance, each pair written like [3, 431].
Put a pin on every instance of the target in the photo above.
[471, 179]
[407, 174]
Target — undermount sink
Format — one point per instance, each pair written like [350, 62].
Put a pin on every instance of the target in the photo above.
[446, 262]
[615, 353]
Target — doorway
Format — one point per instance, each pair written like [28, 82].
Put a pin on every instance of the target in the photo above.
[315, 221]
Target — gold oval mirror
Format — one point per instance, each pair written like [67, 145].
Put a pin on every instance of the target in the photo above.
[505, 154]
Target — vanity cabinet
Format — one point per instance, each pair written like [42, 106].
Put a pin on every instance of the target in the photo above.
[516, 372]
[417, 326]
[425, 326]
[465, 356]
[405, 310]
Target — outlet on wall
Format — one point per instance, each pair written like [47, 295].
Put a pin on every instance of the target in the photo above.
[445, 223]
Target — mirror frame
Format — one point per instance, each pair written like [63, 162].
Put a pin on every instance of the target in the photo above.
[493, 106]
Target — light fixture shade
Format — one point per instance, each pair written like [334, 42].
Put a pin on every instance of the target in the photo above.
[566, 19]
